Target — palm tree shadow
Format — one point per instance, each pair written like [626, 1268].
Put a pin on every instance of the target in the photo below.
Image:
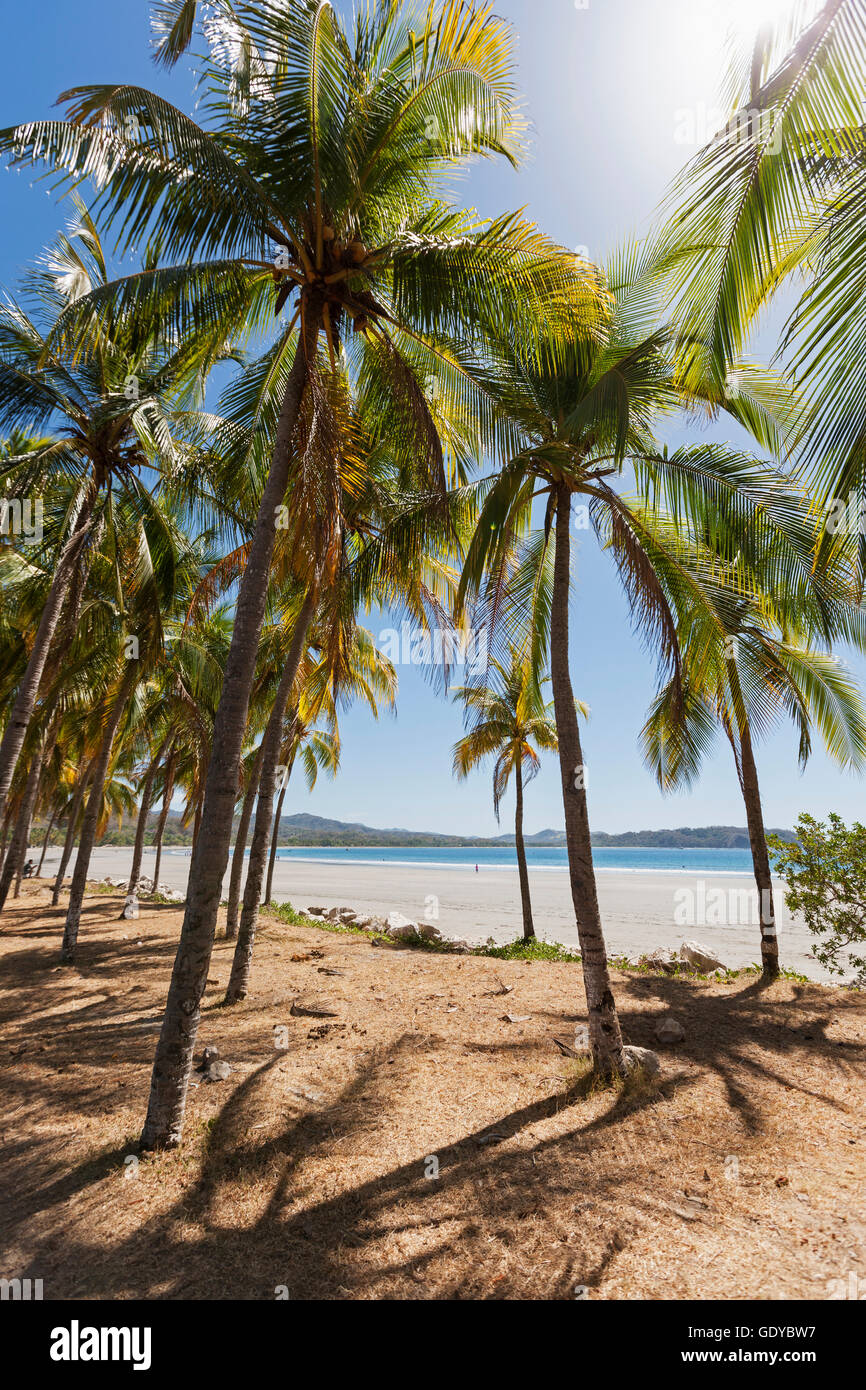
[307, 1226]
[300, 1238]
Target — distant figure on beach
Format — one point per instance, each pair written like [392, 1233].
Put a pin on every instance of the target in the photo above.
[476, 868]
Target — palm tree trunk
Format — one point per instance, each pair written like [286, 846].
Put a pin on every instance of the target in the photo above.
[69, 842]
[522, 872]
[14, 861]
[91, 815]
[605, 1038]
[7, 821]
[45, 842]
[246, 816]
[25, 701]
[760, 855]
[172, 1065]
[141, 827]
[163, 816]
[196, 825]
[271, 743]
[274, 842]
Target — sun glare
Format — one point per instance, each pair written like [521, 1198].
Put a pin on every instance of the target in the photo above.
[750, 16]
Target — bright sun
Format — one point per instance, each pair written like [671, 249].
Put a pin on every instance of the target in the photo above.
[748, 16]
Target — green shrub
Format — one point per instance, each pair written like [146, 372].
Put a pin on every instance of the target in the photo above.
[825, 875]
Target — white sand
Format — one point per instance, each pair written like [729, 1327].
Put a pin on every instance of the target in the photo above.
[641, 910]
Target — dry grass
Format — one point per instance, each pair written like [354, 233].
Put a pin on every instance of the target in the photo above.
[739, 1175]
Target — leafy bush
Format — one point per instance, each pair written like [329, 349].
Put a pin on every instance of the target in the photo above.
[528, 950]
[825, 873]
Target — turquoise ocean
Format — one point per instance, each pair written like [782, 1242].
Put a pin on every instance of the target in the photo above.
[709, 861]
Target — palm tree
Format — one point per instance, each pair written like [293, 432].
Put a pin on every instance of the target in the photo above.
[319, 750]
[776, 200]
[182, 696]
[153, 567]
[508, 715]
[318, 178]
[581, 421]
[743, 674]
[113, 415]
[348, 665]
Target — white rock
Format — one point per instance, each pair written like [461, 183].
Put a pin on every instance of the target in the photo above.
[400, 927]
[635, 1057]
[663, 959]
[670, 1030]
[218, 1071]
[701, 957]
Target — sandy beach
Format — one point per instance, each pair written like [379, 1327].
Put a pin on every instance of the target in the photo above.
[640, 910]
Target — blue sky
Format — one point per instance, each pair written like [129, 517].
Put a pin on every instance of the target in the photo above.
[605, 86]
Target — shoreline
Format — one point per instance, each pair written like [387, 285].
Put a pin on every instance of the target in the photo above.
[334, 854]
[641, 910]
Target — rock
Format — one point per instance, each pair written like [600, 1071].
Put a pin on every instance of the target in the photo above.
[662, 959]
[670, 1030]
[347, 914]
[367, 922]
[209, 1055]
[130, 908]
[428, 932]
[458, 946]
[313, 1008]
[400, 928]
[701, 957]
[218, 1071]
[403, 933]
[316, 911]
[635, 1057]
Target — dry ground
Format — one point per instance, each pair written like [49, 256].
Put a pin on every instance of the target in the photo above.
[740, 1176]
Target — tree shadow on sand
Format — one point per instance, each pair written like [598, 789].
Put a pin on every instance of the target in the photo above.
[285, 1211]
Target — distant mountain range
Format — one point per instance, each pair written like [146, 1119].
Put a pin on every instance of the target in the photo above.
[303, 829]
[315, 830]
